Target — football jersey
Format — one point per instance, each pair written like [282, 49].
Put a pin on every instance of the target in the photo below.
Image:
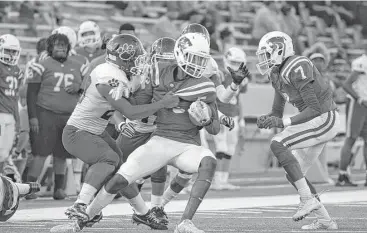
[360, 84]
[10, 80]
[54, 77]
[294, 74]
[93, 111]
[90, 56]
[175, 123]
[231, 108]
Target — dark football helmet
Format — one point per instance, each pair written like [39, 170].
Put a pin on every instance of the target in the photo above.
[127, 52]
[197, 28]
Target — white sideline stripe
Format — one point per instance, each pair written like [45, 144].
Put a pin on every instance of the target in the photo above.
[207, 204]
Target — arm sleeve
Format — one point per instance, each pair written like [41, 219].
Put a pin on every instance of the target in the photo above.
[32, 93]
[278, 105]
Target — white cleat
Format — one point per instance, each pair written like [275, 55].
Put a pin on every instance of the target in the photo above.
[317, 225]
[306, 207]
[67, 228]
[186, 226]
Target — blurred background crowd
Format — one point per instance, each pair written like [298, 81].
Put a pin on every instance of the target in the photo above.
[336, 30]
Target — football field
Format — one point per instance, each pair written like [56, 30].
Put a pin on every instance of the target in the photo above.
[265, 203]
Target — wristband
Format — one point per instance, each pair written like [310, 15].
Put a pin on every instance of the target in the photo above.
[120, 125]
[287, 122]
[234, 86]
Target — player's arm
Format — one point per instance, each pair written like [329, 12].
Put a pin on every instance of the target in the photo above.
[347, 85]
[214, 126]
[301, 76]
[139, 111]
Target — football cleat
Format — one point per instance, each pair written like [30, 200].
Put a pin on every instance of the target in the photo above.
[149, 219]
[34, 188]
[317, 225]
[94, 220]
[77, 211]
[305, 208]
[186, 226]
[59, 194]
[161, 214]
[344, 181]
[75, 226]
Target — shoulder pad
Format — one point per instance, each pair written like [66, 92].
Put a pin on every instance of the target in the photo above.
[108, 74]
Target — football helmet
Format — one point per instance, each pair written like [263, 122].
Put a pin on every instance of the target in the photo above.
[192, 54]
[234, 57]
[274, 48]
[89, 35]
[9, 49]
[360, 64]
[127, 52]
[197, 28]
[69, 33]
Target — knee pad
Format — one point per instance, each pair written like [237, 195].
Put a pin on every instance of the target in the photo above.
[159, 176]
[207, 169]
[282, 153]
[111, 157]
[116, 183]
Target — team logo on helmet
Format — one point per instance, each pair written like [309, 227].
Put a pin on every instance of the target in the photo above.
[126, 51]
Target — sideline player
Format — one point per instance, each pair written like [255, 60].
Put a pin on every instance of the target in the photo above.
[10, 80]
[296, 80]
[85, 136]
[356, 87]
[89, 41]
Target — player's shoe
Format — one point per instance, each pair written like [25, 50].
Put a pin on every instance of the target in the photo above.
[149, 219]
[31, 196]
[77, 211]
[229, 186]
[59, 194]
[161, 214]
[305, 208]
[75, 226]
[317, 225]
[344, 181]
[94, 220]
[186, 226]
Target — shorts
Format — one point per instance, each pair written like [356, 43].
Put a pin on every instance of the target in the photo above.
[128, 145]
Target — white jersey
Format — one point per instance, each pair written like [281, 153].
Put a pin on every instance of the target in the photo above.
[360, 85]
[93, 112]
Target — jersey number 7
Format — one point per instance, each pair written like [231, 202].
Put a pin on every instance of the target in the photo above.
[300, 69]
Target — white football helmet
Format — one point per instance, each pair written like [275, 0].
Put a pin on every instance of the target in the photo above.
[274, 48]
[69, 33]
[360, 64]
[89, 35]
[234, 57]
[192, 54]
[9, 49]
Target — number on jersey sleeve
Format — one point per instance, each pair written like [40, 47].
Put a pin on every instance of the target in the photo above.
[301, 73]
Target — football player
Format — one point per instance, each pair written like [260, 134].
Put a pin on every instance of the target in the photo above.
[52, 94]
[85, 136]
[355, 86]
[10, 193]
[226, 140]
[10, 80]
[89, 40]
[296, 80]
[176, 140]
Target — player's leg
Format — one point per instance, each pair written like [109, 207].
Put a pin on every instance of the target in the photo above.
[103, 161]
[7, 136]
[356, 115]
[200, 160]
[177, 184]
[319, 130]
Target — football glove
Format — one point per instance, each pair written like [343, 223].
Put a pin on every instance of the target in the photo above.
[273, 122]
[200, 113]
[261, 120]
[239, 75]
[127, 129]
[227, 122]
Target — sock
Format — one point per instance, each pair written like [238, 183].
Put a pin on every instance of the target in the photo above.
[23, 188]
[86, 194]
[102, 199]
[139, 205]
[303, 189]
[218, 177]
[155, 201]
[198, 193]
[225, 176]
[322, 215]
[59, 181]
[168, 195]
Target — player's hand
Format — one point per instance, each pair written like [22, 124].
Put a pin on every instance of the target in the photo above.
[227, 122]
[261, 121]
[239, 75]
[200, 112]
[34, 125]
[273, 122]
[170, 100]
[72, 88]
[127, 129]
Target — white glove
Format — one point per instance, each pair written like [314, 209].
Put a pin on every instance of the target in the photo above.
[200, 113]
[121, 91]
[127, 129]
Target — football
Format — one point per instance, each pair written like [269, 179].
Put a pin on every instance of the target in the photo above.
[199, 113]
